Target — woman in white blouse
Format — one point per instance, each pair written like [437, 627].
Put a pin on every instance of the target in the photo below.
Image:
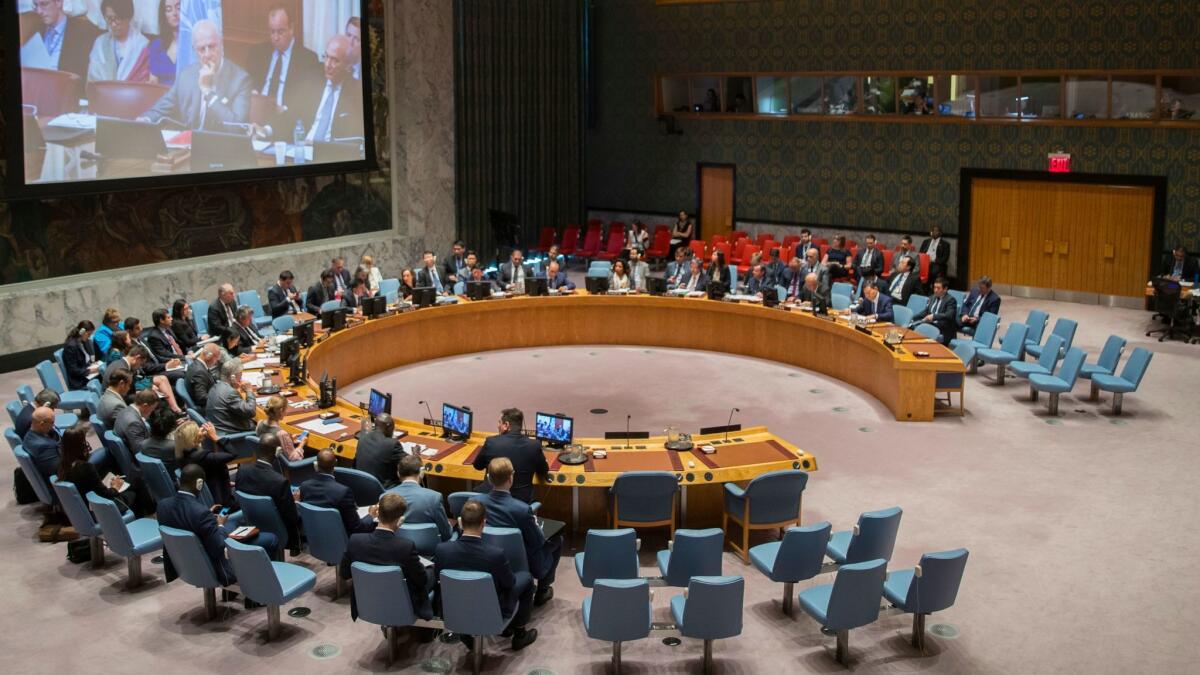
[122, 53]
[374, 276]
[619, 281]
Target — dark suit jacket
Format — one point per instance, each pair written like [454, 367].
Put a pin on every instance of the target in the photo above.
[199, 380]
[527, 460]
[943, 253]
[379, 456]
[506, 272]
[817, 297]
[317, 296]
[257, 478]
[185, 333]
[43, 449]
[424, 278]
[701, 283]
[76, 46]
[909, 286]
[183, 511]
[278, 302]
[451, 264]
[505, 510]
[882, 308]
[76, 356]
[347, 115]
[218, 320]
[160, 346]
[472, 555]
[1189, 267]
[560, 281]
[325, 491]
[383, 547]
[946, 317]
[875, 268]
[24, 421]
[303, 74]
[130, 427]
[183, 102]
[754, 285]
[991, 303]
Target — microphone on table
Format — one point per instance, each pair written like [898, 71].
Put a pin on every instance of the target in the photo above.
[427, 410]
[730, 422]
[627, 445]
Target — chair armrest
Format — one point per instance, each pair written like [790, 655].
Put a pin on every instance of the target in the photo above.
[534, 506]
[296, 463]
[856, 529]
[917, 571]
[235, 520]
[732, 490]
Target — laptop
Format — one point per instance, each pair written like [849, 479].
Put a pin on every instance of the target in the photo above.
[213, 151]
[128, 139]
[656, 286]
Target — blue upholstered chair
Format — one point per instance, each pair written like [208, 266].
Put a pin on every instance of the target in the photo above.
[509, 540]
[381, 595]
[710, 610]
[331, 305]
[423, 535]
[129, 540]
[267, 582]
[366, 488]
[618, 610]
[327, 538]
[82, 400]
[390, 288]
[116, 447]
[81, 519]
[645, 499]
[1110, 356]
[917, 303]
[41, 487]
[608, 554]
[1045, 365]
[283, 324]
[596, 266]
[874, 536]
[985, 332]
[930, 587]
[98, 428]
[950, 383]
[10, 435]
[470, 607]
[692, 553]
[1063, 383]
[184, 395]
[14, 410]
[1129, 380]
[242, 445]
[842, 288]
[796, 557]
[851, 601]
[770, 502]
[1036, 326]
[901, 315]
[260, 512]
[839, 301]
[1064, 328]
[192, 564]
[1009, 351]
[928, 330]
[460, 288]
[960, 298]
[200, 315]
[158, 480]
[456, 500]
[25, 394]
[253, 300]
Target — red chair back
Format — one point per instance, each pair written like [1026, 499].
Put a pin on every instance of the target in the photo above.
[612, 251]
[748, 253]
[660, 247]
[880, 247]
[52, 92]
[719, 239]
[767, 246]
[786, 253]
[763, 236]
[591, 242]
[823, 248]
[791, 240]
[888, 256]
[547, 239]
[739, 250]
[126, 100]
[662, 228]
[820, 241]
[735, 235]
[570, 240]
[924, 267]
[595, 222]
[616, 227]
[723, 248]
[697, 246]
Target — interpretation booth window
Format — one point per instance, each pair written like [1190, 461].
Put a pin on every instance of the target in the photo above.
[841, 95]
[1180, 97]
[675, 95]
[706, 94]
[1041, 97]
[998, 96]
[739, 95]
[957, 95]
[1133, 97]
[806, 95]
[772, 95]
[879, 95]
[1087, 97]
[916, 95]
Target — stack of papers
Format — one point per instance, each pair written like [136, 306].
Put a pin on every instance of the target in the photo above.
[321, 426]
[254, 379]
[74, 121]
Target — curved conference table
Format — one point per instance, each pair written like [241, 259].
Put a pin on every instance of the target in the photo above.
[902, 381]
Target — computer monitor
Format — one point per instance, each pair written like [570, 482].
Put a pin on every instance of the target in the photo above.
[716, 290]
[303, 333]
[379, 403]
[596, 285]
[126, 139]
[214, 151]
[554, 430]
[770, 296]
[424, 296]
[456, 421]
[656, 286]
[288, 350]
[333, 319]
[374, 307]
[536, 286]
[479, 290]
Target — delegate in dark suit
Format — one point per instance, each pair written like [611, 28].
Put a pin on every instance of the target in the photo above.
[318, 294]
[160, 346]
[44, 450]
[323, 490]
[77, 354]
[880, 308]
[184, 511]
[347, 114]
[199, 381]
[221, 318]
[131, 428]
[383, 547]
[559, 280]
[945, 316]
[379, 456]
[756, 285]
[470, 553]
[504, 510]
[977, 305]
[228, 412]
[1189, 267]
[818, 296]
[229, 101]
[507, 273]
[296, 83]
[902, 285]
[261, 479]
[869, 262]
[526, 456]
[278, 301]
[939, 258]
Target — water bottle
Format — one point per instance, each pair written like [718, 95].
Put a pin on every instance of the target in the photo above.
[83, 106]
[298, 143]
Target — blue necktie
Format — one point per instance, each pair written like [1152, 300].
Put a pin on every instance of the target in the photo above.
[53, 40]
[325, 117]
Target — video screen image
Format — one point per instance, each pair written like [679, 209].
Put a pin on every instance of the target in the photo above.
[379, 403]
[456, 420]
[553, 428]
[127, 89]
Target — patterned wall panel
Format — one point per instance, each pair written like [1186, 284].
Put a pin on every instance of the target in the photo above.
[895, 176]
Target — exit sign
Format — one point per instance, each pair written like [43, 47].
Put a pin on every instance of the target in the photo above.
[1060, 162]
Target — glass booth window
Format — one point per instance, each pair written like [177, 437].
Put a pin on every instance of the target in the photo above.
[772, 96]
[1041, 97]
[1087, 97]
[879, 95]
[675, 96]
[706, 94]
[841, 95]
[1133, 97]
[916, 95]
[957, 96]
[998, 97]
[1180, 98]
[739, 95]
[806, 95]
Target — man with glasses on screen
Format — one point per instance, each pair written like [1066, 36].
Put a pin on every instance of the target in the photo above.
[212, 94]
[354, 32]
[339, 110]
[66, 42]
[285, 73]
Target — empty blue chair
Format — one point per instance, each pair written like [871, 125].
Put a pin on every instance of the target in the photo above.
[97, 428]
[283, 324]
[117, 448]
[390, 288]
[14, 410]
[960, 298]
[770, 502]
[1063, 383]
[983, 336]
[11, 436]
[711, 610]
[25, 394]
[184, 395]
[842, 288]
[692, 553]
[931, 586]
[268, 582]
[1036, 323]
[608, 554]
[618, 610]
[331, 305]
[1129, 380]
[366, 488]
[839, 301]
[917, 303]
[1110, 356]
[470, 607]
[200, 315]
[68, 400]
[423, 535]
[253, 300]
[1045, 365]
[796, 557]
[41, 487]
[1009, 351]
[1064, 328]
[456, 500]
[460, 288]
[192, 564]
[129, 540]
[645, 499]
[243, 444]
[158, 480]
[261, 513]
[901, 315]
[874, 536]
[81, 519]
[327, 538]
[597, 265]
[381, 596]
[928, 330]
[851, 601]
[297, 470]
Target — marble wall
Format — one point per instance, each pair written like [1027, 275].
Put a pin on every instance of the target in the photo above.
[420, 38]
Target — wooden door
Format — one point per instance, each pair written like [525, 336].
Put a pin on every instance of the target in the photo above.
[716, 210]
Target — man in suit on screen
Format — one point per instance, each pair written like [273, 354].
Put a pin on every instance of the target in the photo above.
[286, 73]
[210, 95]
[68, 40]
[338, 112]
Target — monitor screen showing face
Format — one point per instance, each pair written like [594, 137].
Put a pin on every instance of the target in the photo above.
[456, 421]
[379, 403]
[554, 428]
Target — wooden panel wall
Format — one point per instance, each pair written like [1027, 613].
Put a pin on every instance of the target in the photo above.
[1063, 236]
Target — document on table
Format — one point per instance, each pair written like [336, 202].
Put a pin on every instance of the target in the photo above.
[321, 426]
[35, 55]
[264, 362]
[255, 379]
[77, 121]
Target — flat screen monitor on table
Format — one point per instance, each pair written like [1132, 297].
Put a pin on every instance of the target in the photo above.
[379, 403]
[554, 430]
[456, 421]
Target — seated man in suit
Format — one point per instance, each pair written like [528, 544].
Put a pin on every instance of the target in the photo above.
[222, 314]
[514, 272]
[695, 279]
[46, 398]
[525, 454]
[249, 337]
[210, 94]
[161, 339]
[504, 510]
[131, 425]
[813, 292]
[757, 283]
[793, 279]
[909, 252]
[184, 511]
[112, 401]
[381, 546]
[429, 275]
[1180, 266]
[941, 311]
[869, 261]
[477, 274]
[424, 505]
[283, 298]
[775, 268]
[638, 270]
[874, 304]
[453, 265]
[557, 280]
[938, 250]
[43, 442]
[231, 405]
[813, 265]
[68, 39]
[981, 301]
[285, 72]
[261, 479]
[153, 371]
[320, 293]
[338, 110]
[358, 291]
[341, 275]
[379, 454]
[199, 377]
[904, 282]
[469, 553]
[324, 490]
[677, 269]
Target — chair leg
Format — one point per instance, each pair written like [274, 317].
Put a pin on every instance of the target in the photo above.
[787, 597]
[392, 643]
[96, 546]
[918, 635]
[1054, 404]
[616, 658]
[1118, 399]
[339, 584]
[272, 622]
[1033, 393]
[843, 646]
[210, 603]
[1000, 372]
[1095, 393]
[477, 655]
[745, 543]
[708, 660]
[134, 565]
